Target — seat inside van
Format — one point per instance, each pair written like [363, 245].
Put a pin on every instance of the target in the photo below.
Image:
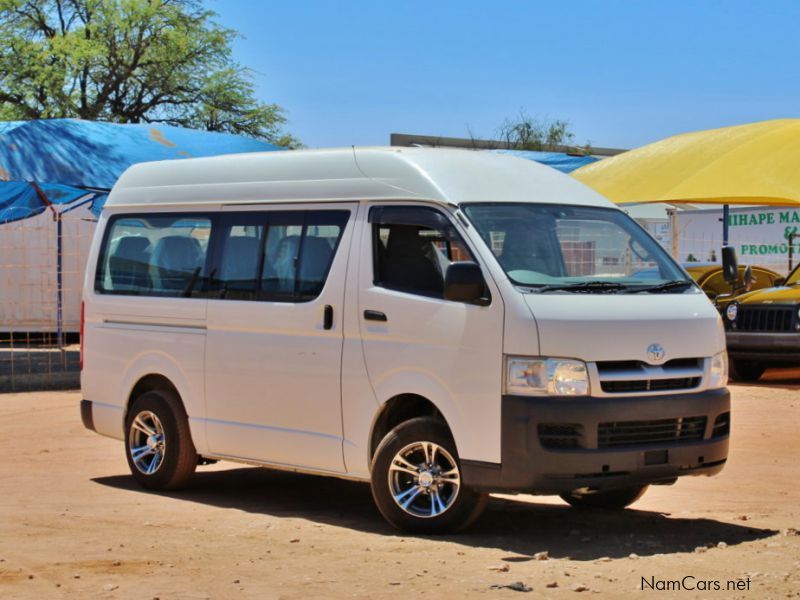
[128, 264]
[523, 251]
[409, 261]
[317, 254]
[175, 260]
[238, 270]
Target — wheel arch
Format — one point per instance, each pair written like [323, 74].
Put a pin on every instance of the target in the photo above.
[399, 409]
[149, 383]
[158, 370]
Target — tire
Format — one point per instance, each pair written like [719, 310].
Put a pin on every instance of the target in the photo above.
[166, 463]
[742, 370]
[435, 499]
[609, 499]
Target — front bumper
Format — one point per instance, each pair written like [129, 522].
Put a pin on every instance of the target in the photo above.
[599, 459]
[763, 347]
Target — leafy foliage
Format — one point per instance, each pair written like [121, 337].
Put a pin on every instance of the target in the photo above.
[528, 133]
[128, 61]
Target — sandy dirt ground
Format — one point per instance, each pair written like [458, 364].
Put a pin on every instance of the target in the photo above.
[73, 524]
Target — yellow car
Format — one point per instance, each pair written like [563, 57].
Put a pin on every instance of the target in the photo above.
[711, 279]
[762, 328]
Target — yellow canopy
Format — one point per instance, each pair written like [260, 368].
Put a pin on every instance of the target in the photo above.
[757, 163]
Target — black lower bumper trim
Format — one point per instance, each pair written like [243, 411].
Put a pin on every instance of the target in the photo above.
[86, 415]
[527, 466]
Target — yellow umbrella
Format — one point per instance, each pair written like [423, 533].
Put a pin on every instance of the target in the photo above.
[757, 163]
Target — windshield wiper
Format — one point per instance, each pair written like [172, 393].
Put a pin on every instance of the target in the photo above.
[667, 286]
[590, 287]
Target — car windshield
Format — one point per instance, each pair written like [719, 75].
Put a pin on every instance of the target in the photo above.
[550, 247]
[794, 276]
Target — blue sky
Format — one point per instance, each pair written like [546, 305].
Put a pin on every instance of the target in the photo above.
[622, 73]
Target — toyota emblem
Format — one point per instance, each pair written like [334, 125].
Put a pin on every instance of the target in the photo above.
[655, 352]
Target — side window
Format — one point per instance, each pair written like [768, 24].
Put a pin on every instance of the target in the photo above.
[240, 241]
[154, 255]
[279, 256]
[412, 248]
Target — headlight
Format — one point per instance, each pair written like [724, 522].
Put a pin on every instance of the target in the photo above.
[718, 374]
[557, 376]
[732, 311]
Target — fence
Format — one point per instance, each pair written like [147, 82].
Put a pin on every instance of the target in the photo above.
[42, 261]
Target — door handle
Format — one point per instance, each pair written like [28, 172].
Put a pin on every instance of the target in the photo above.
[374, 315]
[327, 317]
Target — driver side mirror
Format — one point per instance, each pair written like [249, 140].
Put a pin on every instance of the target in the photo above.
[463, 282]
[730, 267]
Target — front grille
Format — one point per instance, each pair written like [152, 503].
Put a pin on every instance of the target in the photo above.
[631, 376]
[560, 436]
[641, 433]
[722, 425]
[649, 385]
[766, 318]
[624, 365]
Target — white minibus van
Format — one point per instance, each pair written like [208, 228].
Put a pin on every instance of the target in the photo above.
[440, 323]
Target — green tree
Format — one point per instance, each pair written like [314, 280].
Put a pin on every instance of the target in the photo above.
[528, 133]
[128, 61]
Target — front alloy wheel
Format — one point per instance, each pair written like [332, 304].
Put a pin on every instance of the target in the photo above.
[424, 479]
[416, 479]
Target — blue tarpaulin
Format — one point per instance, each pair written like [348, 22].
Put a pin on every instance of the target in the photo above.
[20, 200]
[69, 158]
[566, 163]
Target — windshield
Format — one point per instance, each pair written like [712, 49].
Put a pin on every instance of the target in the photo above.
[794, 276]
[575, 248]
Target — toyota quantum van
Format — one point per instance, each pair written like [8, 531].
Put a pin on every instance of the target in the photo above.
[440, 323]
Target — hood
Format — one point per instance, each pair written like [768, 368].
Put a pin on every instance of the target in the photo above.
[774, 295]
[596, 327]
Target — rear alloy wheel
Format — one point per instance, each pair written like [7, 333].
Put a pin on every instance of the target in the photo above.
[742, 370]
[416, 480]
[609, 499]
[158, 444]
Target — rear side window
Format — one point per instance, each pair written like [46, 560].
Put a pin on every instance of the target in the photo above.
[154, 255]
[278, 256]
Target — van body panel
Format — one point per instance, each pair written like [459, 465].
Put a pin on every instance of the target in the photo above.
[450, 353]
[273, 371]
[347, 174]
[521, 336]
[608, 327]
[359, 403]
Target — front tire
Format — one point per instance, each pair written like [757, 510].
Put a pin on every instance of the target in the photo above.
[742, 370]
[158, 444]
[416, 480]
[609, 499]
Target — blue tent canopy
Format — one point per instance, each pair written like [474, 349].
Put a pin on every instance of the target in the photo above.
[566, 163]
[69, 158]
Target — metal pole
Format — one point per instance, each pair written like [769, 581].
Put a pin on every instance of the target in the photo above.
[673, 220]
[726, 213]
[59, 283]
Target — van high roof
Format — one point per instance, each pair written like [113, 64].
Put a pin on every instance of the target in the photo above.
[346, 174]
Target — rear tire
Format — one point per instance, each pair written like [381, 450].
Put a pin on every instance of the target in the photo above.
[742, 370]
[609, 499]
[158, 444]
[416, 480]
